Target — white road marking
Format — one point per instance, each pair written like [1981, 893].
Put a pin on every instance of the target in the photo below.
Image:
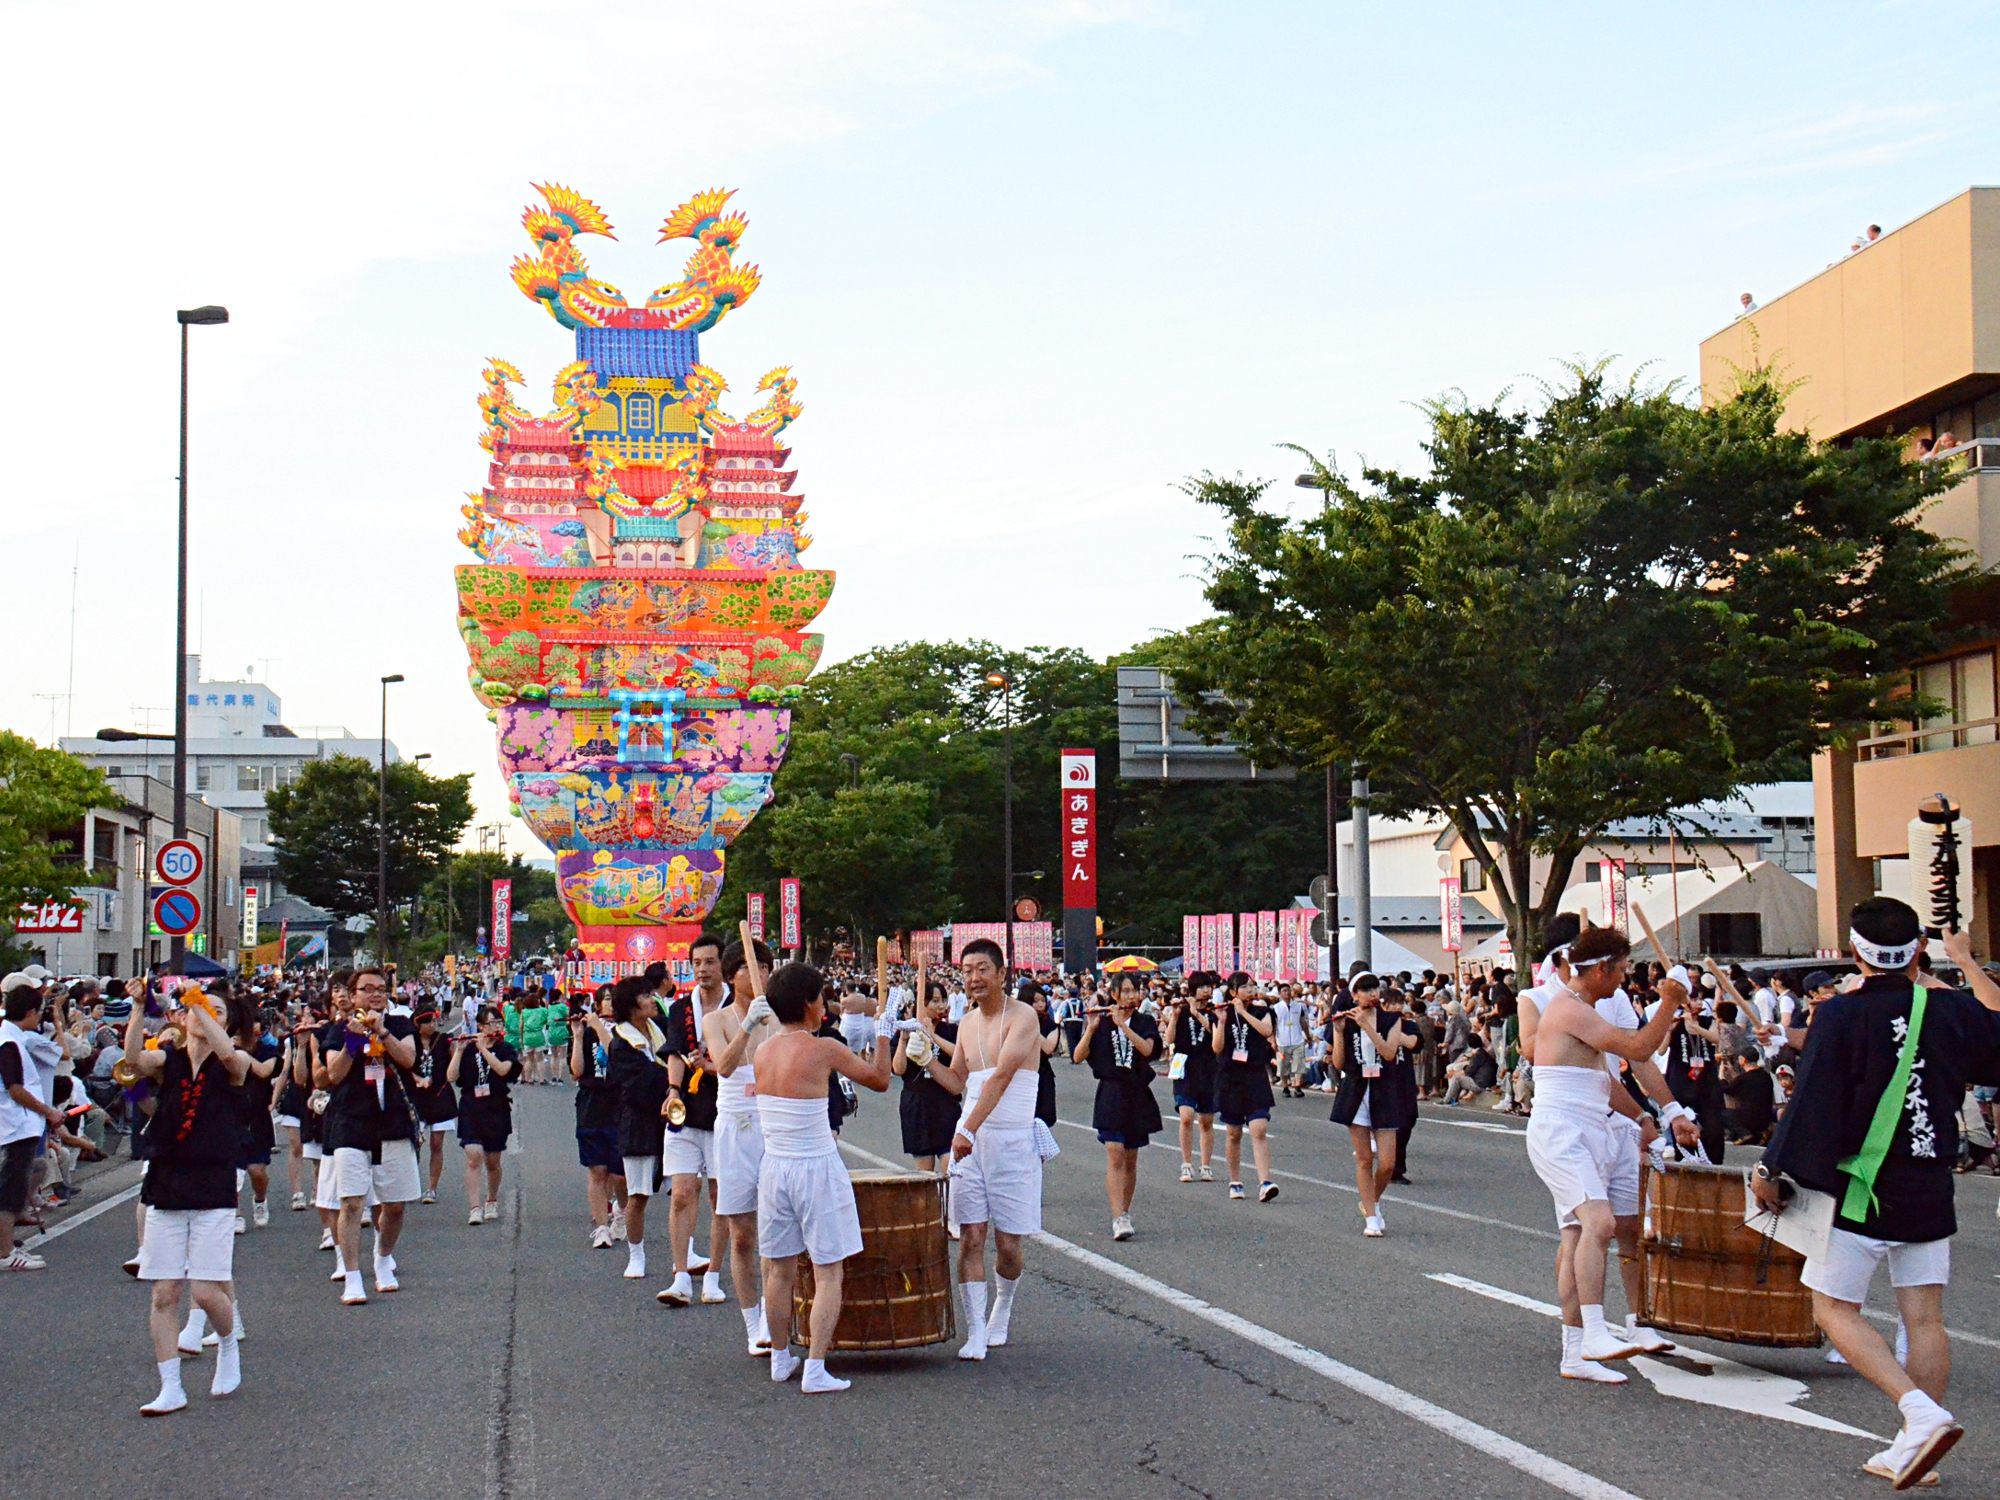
[1493, 1127]
[57, 1231]
[1734, 1387]
[1970, 1338]
[1551, 1471]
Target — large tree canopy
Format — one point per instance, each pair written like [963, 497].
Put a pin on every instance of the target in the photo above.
[44, 794]
[1608, 607]
[324, 829]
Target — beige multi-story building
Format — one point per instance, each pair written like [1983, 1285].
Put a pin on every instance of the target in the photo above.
[1902, 338]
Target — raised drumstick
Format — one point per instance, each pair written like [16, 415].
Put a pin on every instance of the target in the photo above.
[750, 956]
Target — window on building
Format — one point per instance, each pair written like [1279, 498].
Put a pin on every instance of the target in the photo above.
[1963, 691]
[104, 843]
[204, 776]
[246, 778]
[639, 412]
[1470, 876]
[1732, 934]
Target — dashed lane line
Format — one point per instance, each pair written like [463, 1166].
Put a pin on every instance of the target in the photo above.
[1551, 1471]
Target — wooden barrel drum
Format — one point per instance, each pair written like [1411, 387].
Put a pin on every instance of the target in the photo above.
[1701, 1264]
[896, 1294]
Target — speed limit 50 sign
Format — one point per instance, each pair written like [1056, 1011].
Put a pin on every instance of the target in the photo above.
[178, 862]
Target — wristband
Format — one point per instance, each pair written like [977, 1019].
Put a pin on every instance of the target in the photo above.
[1672, 1111]
[967, 1133]
[353, 1043]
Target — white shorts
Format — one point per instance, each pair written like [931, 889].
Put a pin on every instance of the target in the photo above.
[642, 1176]
[688, 1153]
[1851, 1260]
[289, 1120]
[326, 1186]
[188, 1244]
[1000, 1182]
[442, 1127]
[859, 1033]
[393, 1179]
[309, 1150]
[805, 1205]
[1621, 1177]
[739, 1154]
[1570, 1152]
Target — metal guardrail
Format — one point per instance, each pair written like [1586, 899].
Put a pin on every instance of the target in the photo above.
[1875, 748]
[1964, 458]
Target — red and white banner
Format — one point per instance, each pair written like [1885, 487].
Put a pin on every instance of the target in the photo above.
[1190, 944]
[1079, 829]
[1267, 945]
[1612, 896]
[503, 921]
[1451, 914]
[791, 914]
[1034, 942]
[927, 947]
[50, 916]
[753, 913]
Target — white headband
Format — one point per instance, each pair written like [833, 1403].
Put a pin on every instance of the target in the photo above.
[1885, 956]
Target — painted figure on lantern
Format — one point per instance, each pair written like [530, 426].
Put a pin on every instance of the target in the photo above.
[638, 620]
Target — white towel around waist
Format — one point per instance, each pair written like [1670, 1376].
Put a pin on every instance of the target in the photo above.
[795, 1127]
[1016, 1108]
[738, 1094]
[1585, 1091]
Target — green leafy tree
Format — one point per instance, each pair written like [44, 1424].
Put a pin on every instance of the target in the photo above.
[873, 858]
[44, 794]
[324, 829]
[1611, 606]
[457, 902]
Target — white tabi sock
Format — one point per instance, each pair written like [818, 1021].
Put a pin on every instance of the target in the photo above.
[353, 1288]
[1000, 1321]
[1593, 1320]
[783, 1364]
[818, 1383]
[1572, 1343]
[635, 1259]
[172, 1397]
[197, 1325]
[228, 1367]
[974, 1295]
[753, 1327]
[1922, 1414]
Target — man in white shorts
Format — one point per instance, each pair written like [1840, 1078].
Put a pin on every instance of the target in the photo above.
[996, 1168]
[370, 1131]
[687, 1155]
[190, 1197]
[1569, 1142]
[805, 1198]
[857, 1019]
[734, 1033]
[1873, 1122]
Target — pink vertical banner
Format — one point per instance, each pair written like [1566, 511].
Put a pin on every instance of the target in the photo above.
[1190, 944]
[1267, 943]
[753, 912]
[1246, 941]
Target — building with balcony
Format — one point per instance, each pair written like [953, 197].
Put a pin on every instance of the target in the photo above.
[239, 748]
[1902, 338]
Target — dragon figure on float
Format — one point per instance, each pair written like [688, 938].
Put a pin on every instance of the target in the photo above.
[636, 623]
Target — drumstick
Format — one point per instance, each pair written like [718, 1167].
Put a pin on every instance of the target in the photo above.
[1723, 979]
[750, 957]
[881, 974]
[1651, 936]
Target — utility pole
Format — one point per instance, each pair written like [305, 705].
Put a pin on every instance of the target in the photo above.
[1364, 916]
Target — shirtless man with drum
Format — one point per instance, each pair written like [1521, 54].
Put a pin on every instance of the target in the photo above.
[805, 1199]
[996, 1166]
[1568, 1141]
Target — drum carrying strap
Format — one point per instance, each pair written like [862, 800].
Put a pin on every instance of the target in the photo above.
[1863, 1167]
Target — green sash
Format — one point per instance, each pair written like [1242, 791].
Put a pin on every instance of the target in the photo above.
[1863, 1167]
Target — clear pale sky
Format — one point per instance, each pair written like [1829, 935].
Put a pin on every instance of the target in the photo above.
[1032, 264]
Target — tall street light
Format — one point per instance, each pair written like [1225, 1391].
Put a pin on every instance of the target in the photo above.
[382, 828]
[188, 317]
[998, 678]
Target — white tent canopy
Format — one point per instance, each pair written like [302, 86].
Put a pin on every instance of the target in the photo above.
[1388, 955]
[1786, 907]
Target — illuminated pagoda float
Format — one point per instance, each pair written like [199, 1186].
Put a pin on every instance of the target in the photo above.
[637, 620]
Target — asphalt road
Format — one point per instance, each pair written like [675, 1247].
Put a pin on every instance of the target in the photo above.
[1230, 1350]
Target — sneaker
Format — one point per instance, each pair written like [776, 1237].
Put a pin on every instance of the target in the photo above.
[475, 1218]
[1266, 1192]
[260, 1215]
[430, 1195]
[600, 1237]
[617, 1224]
[1207, 1173]
[241, 1226]
[1236, 1193]
[492, 1210]
[1187, 1172]
[1121, 1227]
[1374, 1228]
[21, 1260]
[299, 1204]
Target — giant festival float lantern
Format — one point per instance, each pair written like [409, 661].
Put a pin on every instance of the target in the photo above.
[637, 618]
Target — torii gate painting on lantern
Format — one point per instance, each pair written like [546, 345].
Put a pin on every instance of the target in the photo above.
[637, 620]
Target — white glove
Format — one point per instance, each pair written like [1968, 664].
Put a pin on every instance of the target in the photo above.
[885, 1028]
[760, 1011]
[909, 1023]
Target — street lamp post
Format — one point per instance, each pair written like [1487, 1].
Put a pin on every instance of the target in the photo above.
[382, 828]
[998, 678]
[188, 317]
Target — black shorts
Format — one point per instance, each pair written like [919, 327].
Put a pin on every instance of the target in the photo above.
[598, 1148]
[17, 1162]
